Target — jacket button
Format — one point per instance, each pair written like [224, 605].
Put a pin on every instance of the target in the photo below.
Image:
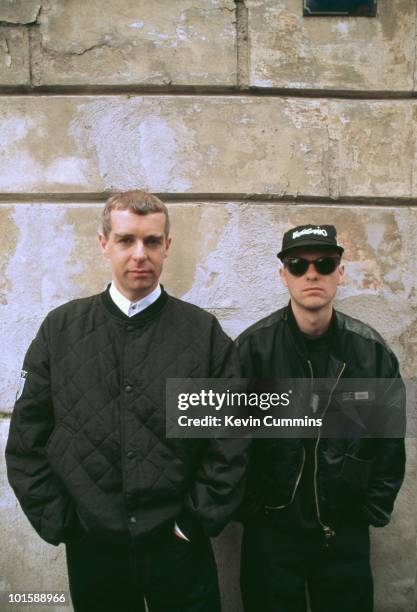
[128, 388]
[130, 454]
[130, 328]
[132, 519]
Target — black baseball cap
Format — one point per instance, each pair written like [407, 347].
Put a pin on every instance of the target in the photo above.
[310, 236]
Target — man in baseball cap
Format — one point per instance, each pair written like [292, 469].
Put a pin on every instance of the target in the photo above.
[310, 501]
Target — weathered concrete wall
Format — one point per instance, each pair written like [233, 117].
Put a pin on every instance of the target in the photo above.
[180, 144]
[247, 119]
[164, 42]
[27, 563]
[289, 51]
[14, 56]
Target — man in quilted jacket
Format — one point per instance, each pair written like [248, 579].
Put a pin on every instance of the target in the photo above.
[310, 500]
[87, 454]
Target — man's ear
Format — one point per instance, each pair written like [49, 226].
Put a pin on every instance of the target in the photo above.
[283, 276]
[103, 242]
[341, 270]
[168, 242]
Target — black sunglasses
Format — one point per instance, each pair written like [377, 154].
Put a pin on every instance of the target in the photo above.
[299, 266]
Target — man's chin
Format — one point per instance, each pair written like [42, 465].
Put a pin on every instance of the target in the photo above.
[314, 303]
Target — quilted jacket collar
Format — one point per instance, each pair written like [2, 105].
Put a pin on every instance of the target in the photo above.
[140, 319]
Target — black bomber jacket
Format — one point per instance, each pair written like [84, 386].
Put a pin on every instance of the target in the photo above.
[87, 450]
[355, 479]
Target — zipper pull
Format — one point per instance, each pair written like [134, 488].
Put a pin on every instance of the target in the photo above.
[328, 534]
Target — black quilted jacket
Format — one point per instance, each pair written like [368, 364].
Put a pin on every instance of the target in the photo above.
[355, 479]
[87, 448]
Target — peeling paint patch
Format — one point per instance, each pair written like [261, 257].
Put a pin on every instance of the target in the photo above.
[26, 172]
[93, 270]
[214, 271]
[22, 171]
[341, 28]
[14, 129]
[148, 145]
[158, 149]
[67, 171]
[309, 113]
[262, 82]
[40, 273]
[137, 25]
[195, 234]
[360, 281]
[375, 234]
[239, 259]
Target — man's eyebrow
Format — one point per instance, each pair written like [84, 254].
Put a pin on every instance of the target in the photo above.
[153, 236]
[127, 235]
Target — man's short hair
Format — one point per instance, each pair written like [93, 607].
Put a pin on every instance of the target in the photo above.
[139, 202]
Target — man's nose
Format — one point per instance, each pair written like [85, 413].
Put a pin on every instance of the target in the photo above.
[311, 271]
[139, 250]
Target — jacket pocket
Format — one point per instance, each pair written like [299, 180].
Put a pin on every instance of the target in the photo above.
[357, 472]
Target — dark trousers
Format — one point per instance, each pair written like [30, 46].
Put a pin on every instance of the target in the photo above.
[172, 574]
[277, 567]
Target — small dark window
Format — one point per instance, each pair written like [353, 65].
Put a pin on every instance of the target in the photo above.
[355, 8]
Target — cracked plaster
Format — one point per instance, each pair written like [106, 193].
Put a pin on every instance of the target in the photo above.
[149, 43]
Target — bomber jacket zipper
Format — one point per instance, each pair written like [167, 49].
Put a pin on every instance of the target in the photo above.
[328, 531]
[300, 472]
[297, 482]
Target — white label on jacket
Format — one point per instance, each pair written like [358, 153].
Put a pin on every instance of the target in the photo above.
[351, 396]
[21, 383]
[361, 395]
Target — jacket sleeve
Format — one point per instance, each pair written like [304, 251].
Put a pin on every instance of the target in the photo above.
[218, 485]
[389, 454]
[42, 496]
